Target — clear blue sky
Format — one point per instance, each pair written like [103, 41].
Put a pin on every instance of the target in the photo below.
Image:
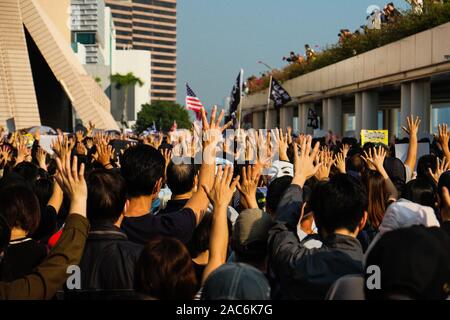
[218, 37]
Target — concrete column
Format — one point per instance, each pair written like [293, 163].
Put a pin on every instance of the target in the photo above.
[272, 119]
[421, 104]
[257, 122]
[335, 115]
[370, 110]
[405, 105]
[325, 115]
[358, 114]
[286, 117]
[393, 123]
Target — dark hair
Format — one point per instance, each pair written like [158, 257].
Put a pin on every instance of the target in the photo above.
[5, 234]
[165, 270]
[339, 203]
[20, 207]
[200, 238]
[141, 166]
[106, 196]
[377, 196]
[275, 190]
[180, 177]
[426, 162]
[420, 191]
[28, 170]
[356, 163]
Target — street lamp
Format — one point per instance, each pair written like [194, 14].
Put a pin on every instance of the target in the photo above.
[266, 65]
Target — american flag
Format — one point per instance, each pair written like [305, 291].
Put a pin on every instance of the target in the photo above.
[193, 103]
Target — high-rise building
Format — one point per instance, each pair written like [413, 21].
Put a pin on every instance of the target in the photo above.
[150, 25]
[41, 80]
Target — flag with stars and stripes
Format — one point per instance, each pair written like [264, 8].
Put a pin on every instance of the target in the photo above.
[193, 103]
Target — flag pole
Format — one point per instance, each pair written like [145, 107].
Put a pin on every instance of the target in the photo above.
[268, 103]
[240, 100]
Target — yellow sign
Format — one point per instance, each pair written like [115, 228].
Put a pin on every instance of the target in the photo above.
[375, 136]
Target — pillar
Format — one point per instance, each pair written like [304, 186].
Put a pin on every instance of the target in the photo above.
[257, 122]
[405, 104]
[421, 104]
[370, 110]
[286, 116]
[335, 115]
[324, 122]
[393, 123]
[358, 114]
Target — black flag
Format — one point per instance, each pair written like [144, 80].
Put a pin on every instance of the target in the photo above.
[236, 95]
[313, 120]
[278, 94]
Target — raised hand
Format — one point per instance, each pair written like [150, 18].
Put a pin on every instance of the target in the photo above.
[326, 158]
[22, 151]
[5, 155]
[79, 135]
[441, 167]
[72, 182]
[340, 162]
[41, 157]
[104, 154]
[283, 144]
[304, 167]
[247, 187]
[412, 127]
[375, 160]
[443, 136]
[37, 134]
[223, 188]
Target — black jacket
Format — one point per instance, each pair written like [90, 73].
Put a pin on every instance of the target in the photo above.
[109, 259]
[307, 273]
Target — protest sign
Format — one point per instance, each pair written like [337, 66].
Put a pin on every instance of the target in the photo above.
[375, 136]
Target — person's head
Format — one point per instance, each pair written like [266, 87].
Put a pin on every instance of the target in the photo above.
[339, 205]
[444, 181]
[396, 171]
[165, 271]
[275, 191]
[236, 281]
[106, 196]
[20, 208]
[28, 170]
[420, 191]
[181, 178]
[426, 162]
[414, 263]
[250, 235]
[5, 234]
[377, 196]
[199, 242]
[356, 164]
[142, 167]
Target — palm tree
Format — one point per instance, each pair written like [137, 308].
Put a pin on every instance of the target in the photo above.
[125, 81]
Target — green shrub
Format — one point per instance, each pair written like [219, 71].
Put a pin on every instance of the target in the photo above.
[407, 25]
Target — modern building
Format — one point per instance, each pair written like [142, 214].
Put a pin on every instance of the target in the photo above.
[374, 90]
[41, 80]
[150, 25]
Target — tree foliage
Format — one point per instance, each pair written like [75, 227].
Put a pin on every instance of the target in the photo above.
[163, 114]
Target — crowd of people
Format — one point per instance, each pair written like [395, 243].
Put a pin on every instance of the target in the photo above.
[250, 215]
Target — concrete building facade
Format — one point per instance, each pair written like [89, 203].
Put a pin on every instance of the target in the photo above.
[41, 80]
[374, 90]
[150, 25]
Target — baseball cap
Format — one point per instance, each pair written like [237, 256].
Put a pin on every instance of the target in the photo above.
[414, 264]
[251, 232]
[236, 281]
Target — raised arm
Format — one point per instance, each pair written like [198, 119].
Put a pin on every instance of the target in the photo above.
[412, 130]
[212, 133]
[375, 159]
[220, 196]
[443, 139]
[50, 275]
